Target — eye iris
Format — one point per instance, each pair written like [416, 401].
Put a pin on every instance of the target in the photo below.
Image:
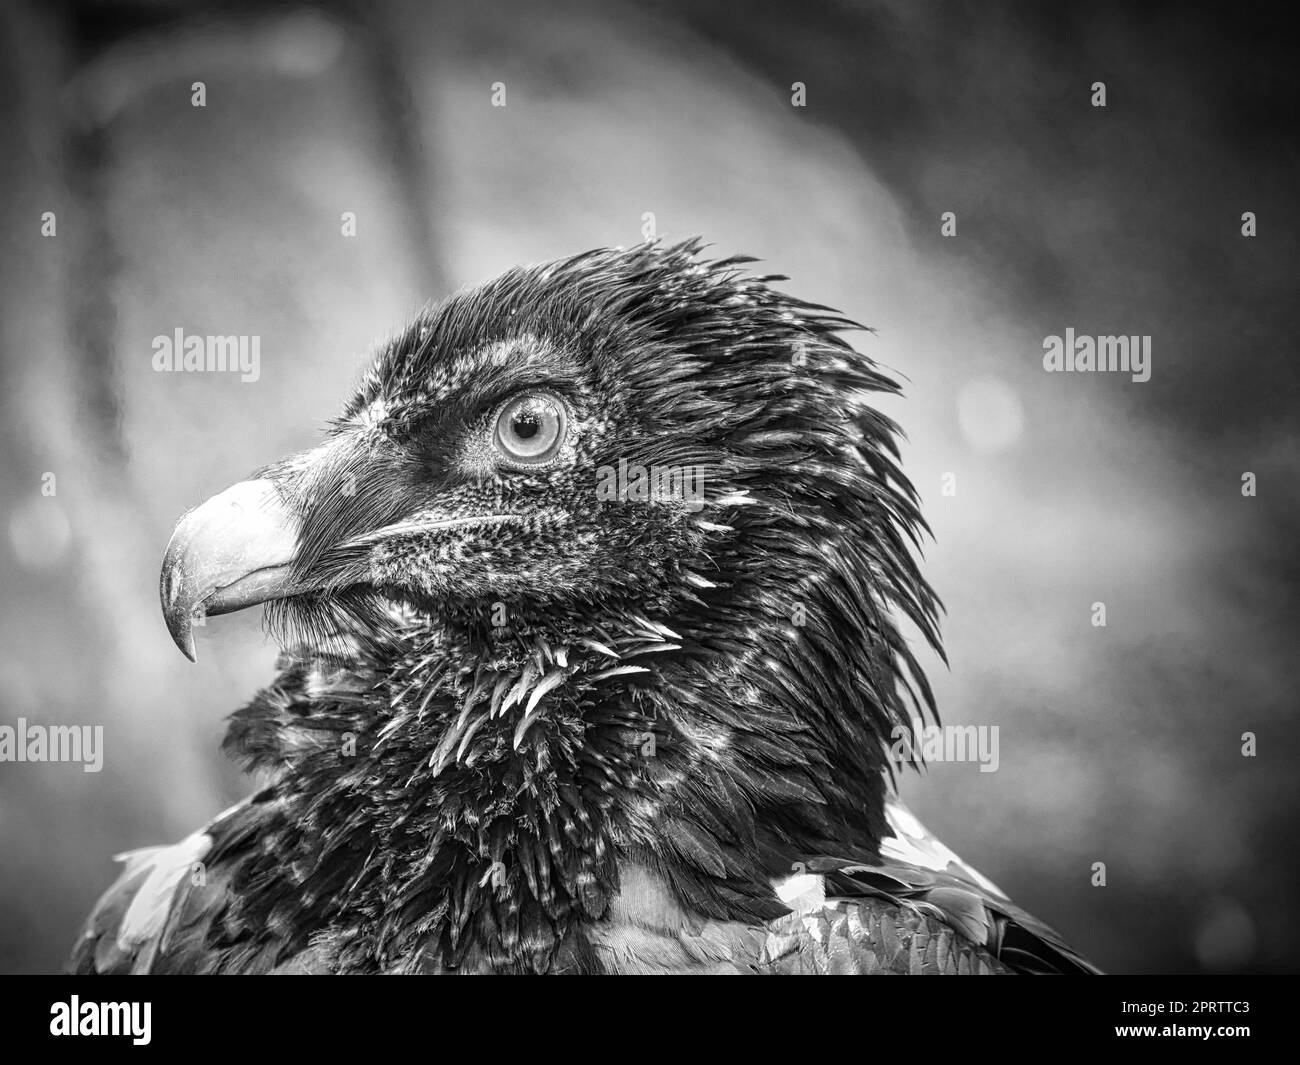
[530, 429]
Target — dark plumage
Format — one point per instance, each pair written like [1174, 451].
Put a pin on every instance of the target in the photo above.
[525, 726]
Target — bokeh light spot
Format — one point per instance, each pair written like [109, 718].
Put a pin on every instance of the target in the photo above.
[990, 415]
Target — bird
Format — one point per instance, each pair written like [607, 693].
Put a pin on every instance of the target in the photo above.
[590, 606]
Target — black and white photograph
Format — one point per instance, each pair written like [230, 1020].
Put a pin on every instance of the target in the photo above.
[681, 487]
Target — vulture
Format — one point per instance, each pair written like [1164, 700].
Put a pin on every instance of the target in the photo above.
[590, 609]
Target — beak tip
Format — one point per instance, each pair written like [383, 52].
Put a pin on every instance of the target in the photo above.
[226, 554]
[176, 614]
[182, 632]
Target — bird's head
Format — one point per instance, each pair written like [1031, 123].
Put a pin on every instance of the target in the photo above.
[627, 434]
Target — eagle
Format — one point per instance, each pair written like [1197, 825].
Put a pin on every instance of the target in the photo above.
[590, 609]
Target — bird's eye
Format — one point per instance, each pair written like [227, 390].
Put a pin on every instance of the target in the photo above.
[530, 429]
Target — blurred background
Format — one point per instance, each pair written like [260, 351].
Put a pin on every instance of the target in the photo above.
[1120, 745]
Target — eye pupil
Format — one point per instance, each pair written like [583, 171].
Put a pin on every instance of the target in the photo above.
[526, 425]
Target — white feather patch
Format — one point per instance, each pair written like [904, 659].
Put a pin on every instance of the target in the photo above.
[802, 892]
[145, 916]
[913, 844]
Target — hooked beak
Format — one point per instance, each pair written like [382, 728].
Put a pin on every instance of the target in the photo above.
[231, 552]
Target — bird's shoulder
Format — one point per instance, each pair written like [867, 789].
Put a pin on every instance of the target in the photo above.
[166, 911]
[648, 931]
[915, 909]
